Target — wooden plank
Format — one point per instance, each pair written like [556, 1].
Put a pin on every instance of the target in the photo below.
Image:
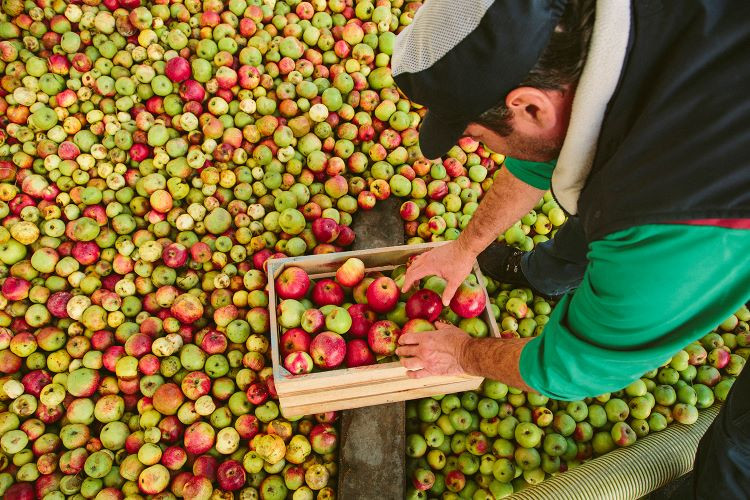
[378, 399]
[374, 389]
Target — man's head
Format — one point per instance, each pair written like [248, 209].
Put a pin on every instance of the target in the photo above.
[520, 89]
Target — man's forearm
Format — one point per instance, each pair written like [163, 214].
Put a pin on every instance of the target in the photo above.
[496, 359]
[508, 200]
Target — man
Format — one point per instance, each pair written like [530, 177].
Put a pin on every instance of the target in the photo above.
[651, 138]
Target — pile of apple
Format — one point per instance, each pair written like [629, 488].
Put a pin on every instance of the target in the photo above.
[487, 444]
[440, 209]
[356, 318]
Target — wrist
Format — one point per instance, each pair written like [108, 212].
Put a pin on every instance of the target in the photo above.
[463, 355]
[465, 247]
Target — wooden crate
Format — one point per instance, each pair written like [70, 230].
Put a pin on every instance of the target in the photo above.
[365, 385]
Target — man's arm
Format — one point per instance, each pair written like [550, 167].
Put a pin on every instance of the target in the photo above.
[508, 200]
[450, 351]
[642, 299]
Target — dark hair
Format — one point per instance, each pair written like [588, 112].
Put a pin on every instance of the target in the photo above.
[559, 65]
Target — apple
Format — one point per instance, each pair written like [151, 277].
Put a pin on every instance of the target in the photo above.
[359, 292]
[323, 438]
[346, 236]
[338, 320]
[231, 475]
[168, 398]
[623, 435]
[199, 438]
[198, 487]
[417, 325]
[292, 283]
[528, 434]
[298, 362]
[351, 272]
[294, 340]
[383, 337]
[424, 304]
[382, 294]
[362, 319]
[195, 384]
[470, 300]
[358, 353]
[327, 291]
[325, 230]
[290, 313]
[312, 320]
[328, 350]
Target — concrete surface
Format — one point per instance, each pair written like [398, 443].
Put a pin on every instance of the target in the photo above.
[372, 439]
[372, 461]
[380, 227]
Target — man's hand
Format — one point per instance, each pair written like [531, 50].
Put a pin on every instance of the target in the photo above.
[439, 352]
[451, 351]
[450, 261]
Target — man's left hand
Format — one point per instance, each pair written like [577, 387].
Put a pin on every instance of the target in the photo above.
[425, 354]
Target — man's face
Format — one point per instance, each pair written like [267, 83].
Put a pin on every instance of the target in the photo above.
[539, 121]
[518, 145]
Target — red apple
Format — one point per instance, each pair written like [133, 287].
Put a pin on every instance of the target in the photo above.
[358, 353]
[257, 393]
[213, 342]
[168, 398]
[231, 475]
[351, 272]
[294, 340]
[312, 320]
[206, 465]
[247, 426]
[382, 295]
[199, 438]
[362, 319]
[325, 230]
[196, 384]
[298, 363]
[469, 300]
[328, 350]
[198, 487]
[424, 304]
[346, 236]
[383, 337]
[292, 283]
[323, 438]
[327, 292]
[173, 458]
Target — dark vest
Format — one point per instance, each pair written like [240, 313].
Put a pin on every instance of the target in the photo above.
[675, 141]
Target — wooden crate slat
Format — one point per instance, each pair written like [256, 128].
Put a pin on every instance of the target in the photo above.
[378, 399]
[380, 387]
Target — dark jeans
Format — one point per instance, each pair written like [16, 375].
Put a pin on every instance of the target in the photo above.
[722, 461]
[556, 267]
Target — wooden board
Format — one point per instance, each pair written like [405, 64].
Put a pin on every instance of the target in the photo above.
[365, 385]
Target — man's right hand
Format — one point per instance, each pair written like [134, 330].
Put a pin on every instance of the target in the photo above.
[451, 261]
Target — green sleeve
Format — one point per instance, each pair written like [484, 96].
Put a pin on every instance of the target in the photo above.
[648, 291]
[533, 173]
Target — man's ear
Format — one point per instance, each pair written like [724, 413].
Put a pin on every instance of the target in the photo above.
[534, 110]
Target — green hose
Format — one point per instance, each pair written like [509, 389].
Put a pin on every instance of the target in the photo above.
[629, 473]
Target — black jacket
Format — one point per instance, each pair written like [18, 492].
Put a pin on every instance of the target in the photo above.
[675, 141]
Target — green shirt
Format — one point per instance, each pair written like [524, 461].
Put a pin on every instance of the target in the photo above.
[533, 173]
[647, 292]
